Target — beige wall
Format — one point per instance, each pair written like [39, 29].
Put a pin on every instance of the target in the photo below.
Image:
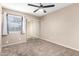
[18, 38]
[62, 27]
[0, 27]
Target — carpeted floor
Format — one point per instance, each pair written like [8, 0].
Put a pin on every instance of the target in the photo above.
[38, 47]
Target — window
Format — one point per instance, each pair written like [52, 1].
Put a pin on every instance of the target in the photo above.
[14, 23]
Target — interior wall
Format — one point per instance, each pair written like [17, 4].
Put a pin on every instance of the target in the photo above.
[62, 27]
[0, 27]
[19, 38]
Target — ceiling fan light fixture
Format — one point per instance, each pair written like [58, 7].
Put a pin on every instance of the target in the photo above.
[44, 11]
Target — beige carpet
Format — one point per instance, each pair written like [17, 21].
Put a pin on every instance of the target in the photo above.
[38, 47]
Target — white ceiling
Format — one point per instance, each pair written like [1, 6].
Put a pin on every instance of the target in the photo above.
[23, 7]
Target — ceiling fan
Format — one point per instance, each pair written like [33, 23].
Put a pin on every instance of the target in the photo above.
[41, 6]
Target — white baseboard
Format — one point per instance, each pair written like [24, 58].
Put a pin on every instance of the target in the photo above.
[42, 39]
[13, 43]
[63, 45]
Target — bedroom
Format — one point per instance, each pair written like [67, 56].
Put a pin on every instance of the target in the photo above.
[32, 29]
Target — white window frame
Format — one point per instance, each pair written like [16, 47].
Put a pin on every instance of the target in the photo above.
[8, 24]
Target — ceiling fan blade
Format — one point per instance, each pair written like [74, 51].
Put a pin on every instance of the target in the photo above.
[48, 6]
[33, 5]
[36, 10]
